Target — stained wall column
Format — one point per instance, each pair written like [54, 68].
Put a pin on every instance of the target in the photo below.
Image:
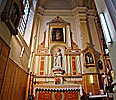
[83, 26]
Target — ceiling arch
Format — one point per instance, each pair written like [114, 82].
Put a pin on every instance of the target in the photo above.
[64, 4]
[58, 4]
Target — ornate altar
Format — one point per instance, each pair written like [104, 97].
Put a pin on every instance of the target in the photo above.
[58, 35]
[58, 68]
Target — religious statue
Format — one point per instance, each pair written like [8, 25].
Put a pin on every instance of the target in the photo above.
[89, 58]
[58, 59]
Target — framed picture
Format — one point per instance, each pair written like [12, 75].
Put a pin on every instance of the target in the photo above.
[11, 15]
[89, 58]
[58, 34]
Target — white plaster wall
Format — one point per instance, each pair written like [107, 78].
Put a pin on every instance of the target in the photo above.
[16, 45]
[5, 33]
[19, 41]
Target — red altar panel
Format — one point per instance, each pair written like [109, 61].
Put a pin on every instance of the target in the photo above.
[44, 95]
[74, 65]
[57, 95]
[42, 66]
[71, 95]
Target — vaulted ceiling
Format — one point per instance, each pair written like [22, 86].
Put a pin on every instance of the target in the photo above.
[65, 4]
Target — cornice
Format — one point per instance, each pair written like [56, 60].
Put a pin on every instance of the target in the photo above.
[91, 13]
[82, 12]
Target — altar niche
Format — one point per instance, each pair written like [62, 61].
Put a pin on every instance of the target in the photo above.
[57, 57]
[57, 65]
[89, 58]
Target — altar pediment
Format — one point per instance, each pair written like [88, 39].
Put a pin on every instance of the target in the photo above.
[58, 21]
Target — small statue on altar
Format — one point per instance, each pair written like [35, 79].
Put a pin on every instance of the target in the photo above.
[58, 59]
[57, 80]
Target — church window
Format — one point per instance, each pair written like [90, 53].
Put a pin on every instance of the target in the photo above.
[23, 21]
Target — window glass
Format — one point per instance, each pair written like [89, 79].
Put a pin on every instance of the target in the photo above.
[24, 18]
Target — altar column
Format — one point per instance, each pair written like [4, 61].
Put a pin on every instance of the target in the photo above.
[46, 65]
[36, 64]
[68, 36]
[50, 66]
[47, 36]
[69, 65]
[78, 65]
[65, 64]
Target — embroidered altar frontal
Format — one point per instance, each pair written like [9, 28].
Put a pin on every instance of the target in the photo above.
[72, 95]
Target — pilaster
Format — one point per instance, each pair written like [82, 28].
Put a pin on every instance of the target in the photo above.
[83, 26]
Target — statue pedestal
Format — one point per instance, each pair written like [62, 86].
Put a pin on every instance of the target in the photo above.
[58, 76]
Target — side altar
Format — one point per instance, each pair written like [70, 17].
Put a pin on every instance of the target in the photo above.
[58, 63]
